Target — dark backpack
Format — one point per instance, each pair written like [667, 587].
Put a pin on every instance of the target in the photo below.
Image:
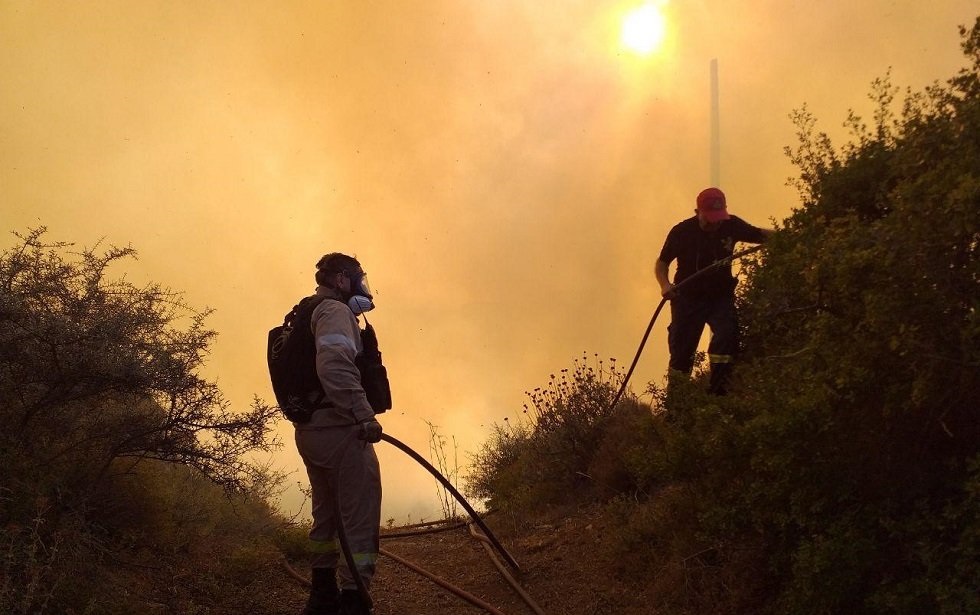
[291, 354]
[292, 363]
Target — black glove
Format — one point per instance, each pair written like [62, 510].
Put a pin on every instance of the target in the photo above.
[370, 431]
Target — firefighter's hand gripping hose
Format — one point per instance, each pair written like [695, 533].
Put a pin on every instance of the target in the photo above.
[656, 313]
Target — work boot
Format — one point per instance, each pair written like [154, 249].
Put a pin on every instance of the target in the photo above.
[721, 375]
[352, 603]
[324, 596]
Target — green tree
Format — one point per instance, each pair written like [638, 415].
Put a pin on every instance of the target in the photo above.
[97, 376]
[860, 437]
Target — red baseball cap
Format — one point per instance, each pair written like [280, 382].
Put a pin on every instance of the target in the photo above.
[711, 204]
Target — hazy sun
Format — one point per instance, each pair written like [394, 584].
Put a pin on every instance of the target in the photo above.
[644, 28]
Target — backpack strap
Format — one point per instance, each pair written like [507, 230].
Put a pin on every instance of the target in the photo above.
[302, 315]
[310, 302]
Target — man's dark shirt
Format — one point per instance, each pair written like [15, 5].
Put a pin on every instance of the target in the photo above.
[696, 249]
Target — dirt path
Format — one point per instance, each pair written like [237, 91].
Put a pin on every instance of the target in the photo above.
[562, 570]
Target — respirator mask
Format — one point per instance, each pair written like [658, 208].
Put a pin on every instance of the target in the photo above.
[361, 298]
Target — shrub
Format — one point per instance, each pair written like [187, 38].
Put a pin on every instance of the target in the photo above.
[99, 381]
[545, 457]
[848, 446]
[629, 458]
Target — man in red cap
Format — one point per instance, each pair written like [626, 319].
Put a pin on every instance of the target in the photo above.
[709, 299]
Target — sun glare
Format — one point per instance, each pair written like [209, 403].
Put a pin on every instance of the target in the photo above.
[644, 28]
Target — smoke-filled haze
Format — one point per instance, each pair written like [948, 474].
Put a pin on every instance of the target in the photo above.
[506, 171]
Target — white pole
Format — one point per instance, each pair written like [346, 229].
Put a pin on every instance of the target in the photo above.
[715, 127]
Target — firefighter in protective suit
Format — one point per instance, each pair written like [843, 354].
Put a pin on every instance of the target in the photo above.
[337, 444]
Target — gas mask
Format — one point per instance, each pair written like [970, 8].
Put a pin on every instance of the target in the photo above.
[360, 299]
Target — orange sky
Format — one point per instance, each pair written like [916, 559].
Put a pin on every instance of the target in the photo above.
[503, 169]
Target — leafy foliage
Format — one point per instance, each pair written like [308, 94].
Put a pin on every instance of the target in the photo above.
[855, 430]
[556, 451]
[875, 437]
[100, 397]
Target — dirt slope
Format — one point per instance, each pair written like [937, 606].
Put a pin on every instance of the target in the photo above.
[562, 569]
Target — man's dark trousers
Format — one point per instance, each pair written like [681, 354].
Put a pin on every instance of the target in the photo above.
[688, 316]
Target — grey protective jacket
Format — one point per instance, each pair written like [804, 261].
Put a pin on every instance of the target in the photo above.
[338, 341]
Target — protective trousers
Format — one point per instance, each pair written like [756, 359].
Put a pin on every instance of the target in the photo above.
[688, 316]
[344, 468]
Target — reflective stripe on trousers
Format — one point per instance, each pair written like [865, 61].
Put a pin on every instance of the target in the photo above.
[688, 317]
[358, 490]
